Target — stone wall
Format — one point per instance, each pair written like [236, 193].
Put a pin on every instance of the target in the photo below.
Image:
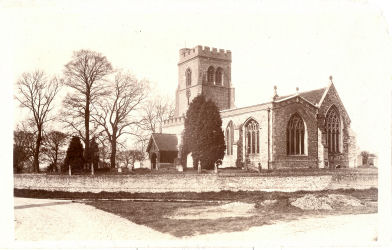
[332, 99]
[282, 112]
[239, 117]
[198, 60]
[188, 183]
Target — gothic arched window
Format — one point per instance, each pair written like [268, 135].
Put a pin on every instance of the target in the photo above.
[252, 137]
[229, 136]
[210, 74]
[188, 77]
[295, 136]
[219, 76]
[333, 130]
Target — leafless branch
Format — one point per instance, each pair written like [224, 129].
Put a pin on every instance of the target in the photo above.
[36, 93]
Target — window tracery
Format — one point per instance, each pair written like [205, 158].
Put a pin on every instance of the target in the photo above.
[333, 130]
[252, 138]
[210, 74]
[295, 136]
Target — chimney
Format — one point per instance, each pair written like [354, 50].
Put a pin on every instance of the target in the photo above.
[297, 90]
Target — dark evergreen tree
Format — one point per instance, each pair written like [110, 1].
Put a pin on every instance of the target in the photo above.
[74, 156]
[211, 140]
[203, 135]
[20, 156]
[93, 154]
[191, 128]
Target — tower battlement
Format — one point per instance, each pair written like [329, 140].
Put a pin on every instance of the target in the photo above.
[189, 53]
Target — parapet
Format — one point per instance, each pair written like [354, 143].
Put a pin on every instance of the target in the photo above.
[189, 53]
[174, 121]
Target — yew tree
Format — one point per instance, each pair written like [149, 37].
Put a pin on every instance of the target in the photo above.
[74, 157]
[203, 135]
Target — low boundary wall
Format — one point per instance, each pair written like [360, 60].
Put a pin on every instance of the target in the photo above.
[189, 183]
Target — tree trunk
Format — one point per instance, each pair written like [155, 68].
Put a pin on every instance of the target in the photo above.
[87, 132]
[113, 153]
[55, 159]
[36, 152]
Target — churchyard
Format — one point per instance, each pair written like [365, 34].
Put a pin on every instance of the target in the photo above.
[231, 212]
[184, 213]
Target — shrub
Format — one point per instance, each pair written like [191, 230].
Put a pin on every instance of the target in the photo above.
[74, 155]
[102, 170]
[239, 163]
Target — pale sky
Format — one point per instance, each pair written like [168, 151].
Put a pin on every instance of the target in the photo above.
[285, 43]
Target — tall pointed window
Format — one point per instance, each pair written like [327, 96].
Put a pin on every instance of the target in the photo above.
[295, 136]
[188, 77]
[229, 138]
[219, 76]
[333, 130]
[252, 137]
[210, 74]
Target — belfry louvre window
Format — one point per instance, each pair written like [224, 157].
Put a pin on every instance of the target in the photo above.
[218, 76]
[210, 74]
[188, 77]
[295, 136]
[252, 137]
[333, 130]
[229, 138]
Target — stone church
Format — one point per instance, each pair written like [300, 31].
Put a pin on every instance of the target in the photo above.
[304, 130]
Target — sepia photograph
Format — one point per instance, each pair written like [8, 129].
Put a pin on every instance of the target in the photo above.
[247, 124]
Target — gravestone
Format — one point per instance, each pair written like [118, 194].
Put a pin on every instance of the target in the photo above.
[189, 161]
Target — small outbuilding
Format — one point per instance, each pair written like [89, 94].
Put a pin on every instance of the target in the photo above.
[162, 150]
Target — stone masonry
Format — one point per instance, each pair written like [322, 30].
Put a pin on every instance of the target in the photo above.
[272, 118]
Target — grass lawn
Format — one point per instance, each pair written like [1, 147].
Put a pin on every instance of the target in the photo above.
[163, 216]
[246, 196]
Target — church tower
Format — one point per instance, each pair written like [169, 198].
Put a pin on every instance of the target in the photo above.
[204, 71]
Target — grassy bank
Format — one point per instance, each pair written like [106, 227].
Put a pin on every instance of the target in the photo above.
[223, 195]
[189, 218]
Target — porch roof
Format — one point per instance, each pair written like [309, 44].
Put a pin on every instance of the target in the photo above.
[164, 142]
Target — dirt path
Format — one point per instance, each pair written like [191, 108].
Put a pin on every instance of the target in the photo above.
[347, 230]
[39, 219]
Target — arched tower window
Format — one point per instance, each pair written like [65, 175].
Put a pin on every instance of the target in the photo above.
[219, 76]
[333, 130]
[210, 74]
[252, 137]
[229, 138]
[188, 77]
[295, 136]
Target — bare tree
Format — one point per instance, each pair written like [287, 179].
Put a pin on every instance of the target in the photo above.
[36, 93]
[142, 140]
[129, 157]
[24, 145]
[155, 112]
[52, 144]
[117, 113]
[85, 74]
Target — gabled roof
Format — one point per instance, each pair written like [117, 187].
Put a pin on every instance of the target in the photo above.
[312, 96]
[164, 142]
